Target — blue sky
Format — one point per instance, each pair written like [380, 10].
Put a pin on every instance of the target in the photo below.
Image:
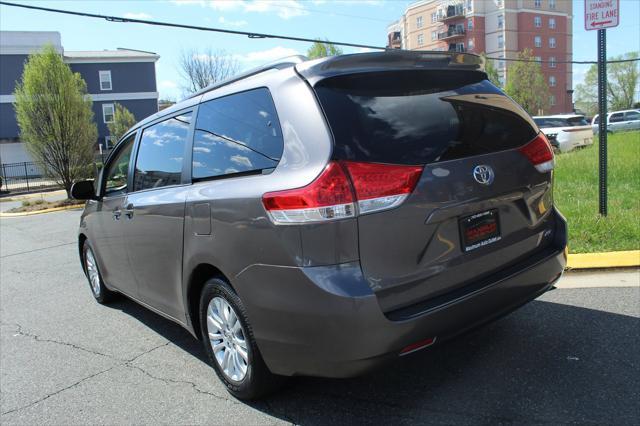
[357, 21]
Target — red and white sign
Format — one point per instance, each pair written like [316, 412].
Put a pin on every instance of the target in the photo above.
[601, 14]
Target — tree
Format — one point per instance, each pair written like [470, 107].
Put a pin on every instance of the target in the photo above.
[123, 120]
[201, 69]
[622, 82]
[526, 84]
[55, 117]
[491, 70]
[320, 49]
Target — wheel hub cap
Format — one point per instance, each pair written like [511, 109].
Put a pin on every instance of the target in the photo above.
[227, 339]
[92, 272]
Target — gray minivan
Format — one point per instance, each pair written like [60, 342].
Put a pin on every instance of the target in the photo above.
[323, 217]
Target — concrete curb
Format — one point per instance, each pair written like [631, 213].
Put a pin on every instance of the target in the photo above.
[55, 209]
[612, 259]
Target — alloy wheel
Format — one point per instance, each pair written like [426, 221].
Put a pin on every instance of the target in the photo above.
[227, 339]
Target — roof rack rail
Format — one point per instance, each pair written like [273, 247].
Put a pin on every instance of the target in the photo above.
[278, 64]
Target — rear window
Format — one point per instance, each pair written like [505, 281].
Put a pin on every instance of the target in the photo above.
[546, 122]
[419, 117]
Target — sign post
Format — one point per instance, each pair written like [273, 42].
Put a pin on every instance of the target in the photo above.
[599, 15]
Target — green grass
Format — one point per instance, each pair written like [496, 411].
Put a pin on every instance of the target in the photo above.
[576, 195]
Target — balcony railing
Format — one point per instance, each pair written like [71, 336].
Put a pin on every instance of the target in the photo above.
[452, 12]
[451, 33]
[457, 49]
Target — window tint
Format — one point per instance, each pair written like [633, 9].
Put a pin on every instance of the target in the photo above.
[577, 121]
[546, 122]
[237, 134]
[616, 118]
[419, 117]
[118, 169]
[632, 115]
[161, 152]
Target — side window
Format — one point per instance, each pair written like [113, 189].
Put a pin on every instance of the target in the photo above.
[616, 118]
[161, 153]
[632, 115]
[118, 169]
[238, 133]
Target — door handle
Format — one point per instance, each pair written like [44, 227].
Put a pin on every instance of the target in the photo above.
[128, 212]
[116, 214]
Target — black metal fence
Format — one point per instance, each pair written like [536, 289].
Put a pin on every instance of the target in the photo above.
[24, 177]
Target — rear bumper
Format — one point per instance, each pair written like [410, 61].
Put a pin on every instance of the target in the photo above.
[325, 321]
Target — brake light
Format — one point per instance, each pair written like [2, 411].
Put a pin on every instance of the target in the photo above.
[335, 191]
[381, 186]
[539, 153]
[329, 197]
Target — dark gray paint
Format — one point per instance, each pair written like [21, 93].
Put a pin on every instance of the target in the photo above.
[126, 77]
[359, 285]
[11, 67]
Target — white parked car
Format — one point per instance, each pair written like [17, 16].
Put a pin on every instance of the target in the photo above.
[565, 132]
[619, 121]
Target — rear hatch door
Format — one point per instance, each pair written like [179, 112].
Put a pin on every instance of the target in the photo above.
[479, 206]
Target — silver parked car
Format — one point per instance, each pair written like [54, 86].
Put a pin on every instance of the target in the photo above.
[619, 121]
[324, 217]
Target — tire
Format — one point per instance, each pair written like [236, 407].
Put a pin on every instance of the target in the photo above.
[96, 284]
[223, 314]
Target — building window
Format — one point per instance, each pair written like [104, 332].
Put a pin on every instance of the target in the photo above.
[469, 6]
[500, 41]
[470, 23]
[108, 112]
[499, 3]
[552, 81]
[471, 44]
[420, 39]
[109, 142]
[553, 100]
[537, 21]
[500, 21]
[501, 62]
[538, 59]
[552, 23]
[537, 4]
[552, 62]
[537, 41]
[434, 35]
[552, 4]
[434, 17]
[552, 42]
[105, 80]
[419, 22]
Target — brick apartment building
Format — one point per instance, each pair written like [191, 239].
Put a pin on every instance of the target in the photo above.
[500, 28]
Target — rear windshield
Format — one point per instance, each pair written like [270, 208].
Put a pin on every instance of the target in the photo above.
[420, 117]
[546, 122]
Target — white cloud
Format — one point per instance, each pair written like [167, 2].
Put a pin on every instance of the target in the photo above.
[167, 84]
[240, 23]
[140, 15]
[267, 55]
[285, 9]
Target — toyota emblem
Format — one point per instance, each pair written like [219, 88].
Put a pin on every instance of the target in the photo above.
[483, 174]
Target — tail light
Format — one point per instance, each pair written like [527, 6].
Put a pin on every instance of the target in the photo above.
[336, 191]
[539, 153]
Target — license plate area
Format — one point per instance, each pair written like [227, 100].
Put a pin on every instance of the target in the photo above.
[479, 230]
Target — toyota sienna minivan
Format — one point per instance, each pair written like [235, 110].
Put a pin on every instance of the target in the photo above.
[324, 217]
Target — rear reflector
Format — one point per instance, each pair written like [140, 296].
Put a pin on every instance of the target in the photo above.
[539, 153]
[334, 193]
[417, 346]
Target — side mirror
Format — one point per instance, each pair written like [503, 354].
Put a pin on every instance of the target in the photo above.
[83, 190]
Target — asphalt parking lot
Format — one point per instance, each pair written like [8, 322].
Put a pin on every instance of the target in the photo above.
[572, 356]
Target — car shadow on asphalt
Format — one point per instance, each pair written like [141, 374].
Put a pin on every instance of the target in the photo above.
[545, 363]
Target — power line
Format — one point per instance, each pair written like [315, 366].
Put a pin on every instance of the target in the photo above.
[190, 27]
[257, 35]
